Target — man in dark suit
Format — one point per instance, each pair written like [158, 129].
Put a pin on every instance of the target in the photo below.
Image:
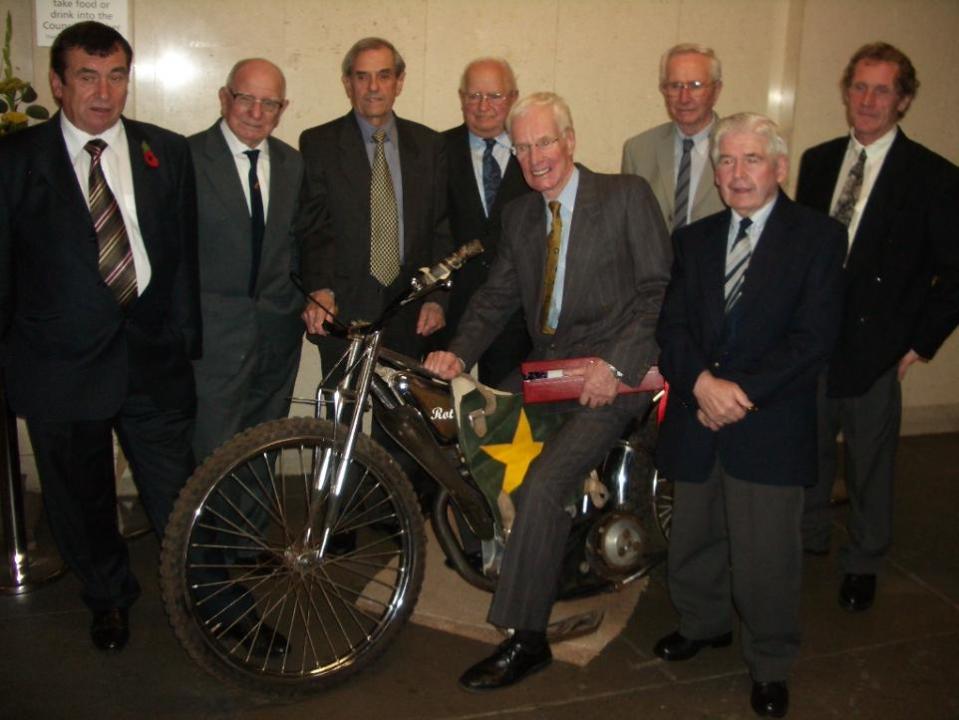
[251, 310]
[483, 178]
[593, 288]
[360, 246]
[99, 310]
[750, 316]
[898, 200]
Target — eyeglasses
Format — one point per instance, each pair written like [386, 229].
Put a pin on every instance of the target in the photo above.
[268, 106]
[541, 144]
[694, 86]
[494, 98]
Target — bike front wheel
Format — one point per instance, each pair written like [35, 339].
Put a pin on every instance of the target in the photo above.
[247, 592]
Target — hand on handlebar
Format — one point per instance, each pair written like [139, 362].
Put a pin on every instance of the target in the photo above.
[314, 315]
[444, 364]
[431, 319]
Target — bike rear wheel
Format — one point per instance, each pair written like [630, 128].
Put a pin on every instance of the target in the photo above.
[246, 594]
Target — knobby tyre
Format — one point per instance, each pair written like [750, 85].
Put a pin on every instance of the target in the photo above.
[247, 595]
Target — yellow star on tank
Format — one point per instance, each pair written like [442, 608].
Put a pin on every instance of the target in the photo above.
[516, 455]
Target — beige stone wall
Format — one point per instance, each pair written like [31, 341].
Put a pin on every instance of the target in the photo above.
[781, 57]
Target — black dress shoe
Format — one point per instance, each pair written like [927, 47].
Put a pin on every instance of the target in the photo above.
[258, 637]
[770, 699]
[857, 592]
[816, 552]
[676, 647]
[512, 661]
[110, 630]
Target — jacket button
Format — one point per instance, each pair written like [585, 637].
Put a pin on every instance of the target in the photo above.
[716, 364]
[878, 278]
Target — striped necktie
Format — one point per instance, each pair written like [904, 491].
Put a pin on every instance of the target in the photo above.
[682, 186]
[115, 258]
[736, 262]
[491, 175]
[384, 218]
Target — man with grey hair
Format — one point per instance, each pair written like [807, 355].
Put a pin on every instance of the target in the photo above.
[749, 320]
[586, 258]
[674, 157]
[483, 178]
[372, 211]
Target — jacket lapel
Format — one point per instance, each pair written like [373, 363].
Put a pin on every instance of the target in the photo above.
[713, 272]
[580, 246]
[413, 188]
[220, 171]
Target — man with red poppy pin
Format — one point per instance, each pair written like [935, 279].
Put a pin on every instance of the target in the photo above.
[99, 310]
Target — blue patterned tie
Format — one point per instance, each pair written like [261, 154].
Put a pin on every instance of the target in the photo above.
[491, 174]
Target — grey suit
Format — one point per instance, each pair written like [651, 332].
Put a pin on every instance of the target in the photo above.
[251, 345]
[617, 267]
[651, 155]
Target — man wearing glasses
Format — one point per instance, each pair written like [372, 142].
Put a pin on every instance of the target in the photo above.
[247, 185]
[674, 157]
[483, 178]
[587, 259]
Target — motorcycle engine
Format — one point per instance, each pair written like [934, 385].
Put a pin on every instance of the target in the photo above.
[617, 544]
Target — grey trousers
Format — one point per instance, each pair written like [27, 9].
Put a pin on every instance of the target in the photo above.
[870, 427]
[737, 545]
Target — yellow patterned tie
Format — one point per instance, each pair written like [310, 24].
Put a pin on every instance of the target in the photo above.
[384, 218]
[115, 258]
[553, 241]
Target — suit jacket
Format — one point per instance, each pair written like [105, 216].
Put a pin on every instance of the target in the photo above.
[773, 344]
[902, 275]
[334, 225]
[617, 266]
[651, 156]
[69, 352]
[234, 324]
[468, 219]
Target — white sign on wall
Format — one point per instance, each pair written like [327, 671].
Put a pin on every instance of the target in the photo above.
[55, 15]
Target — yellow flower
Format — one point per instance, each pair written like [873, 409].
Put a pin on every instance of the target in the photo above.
[14, 117]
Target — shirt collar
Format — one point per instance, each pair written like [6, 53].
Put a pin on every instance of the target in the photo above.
[237, 146]
[478, 143]
[76, 138]
[876, 147]
[567, 196]
[698, 137]
[758, 218]
[367, 130]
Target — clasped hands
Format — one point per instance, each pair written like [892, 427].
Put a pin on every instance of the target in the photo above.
[721, 402]
[599, 382]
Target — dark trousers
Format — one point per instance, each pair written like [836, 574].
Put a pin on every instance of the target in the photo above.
[737, 544]
[75, 463]
[530, 574]
[870, 427]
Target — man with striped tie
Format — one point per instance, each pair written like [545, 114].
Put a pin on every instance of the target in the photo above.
[750, 317]
[674, 157]
[99, 311]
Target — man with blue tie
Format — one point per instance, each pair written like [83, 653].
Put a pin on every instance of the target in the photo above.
[750, 317]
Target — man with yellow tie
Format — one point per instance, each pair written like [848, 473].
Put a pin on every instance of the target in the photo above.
[587, 258]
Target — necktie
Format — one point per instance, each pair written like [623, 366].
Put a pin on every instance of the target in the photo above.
[553, 241]
[682, 186]
[491, 174]
[384, 219]
[257, 221]
[850, 191]
[736, 262]
[114, 257]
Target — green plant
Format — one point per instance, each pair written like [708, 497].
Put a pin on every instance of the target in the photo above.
[14, 91]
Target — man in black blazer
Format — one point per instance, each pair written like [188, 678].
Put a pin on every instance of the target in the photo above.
[483, 178]
[335, 225]
[750, 317]
[607, 238]
[252, 329]
[901, 300]
[99, 318]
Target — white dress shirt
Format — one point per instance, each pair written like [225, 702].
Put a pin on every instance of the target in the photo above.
[238, 150]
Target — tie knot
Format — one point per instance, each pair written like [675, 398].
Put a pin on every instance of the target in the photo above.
[688, 144]
[253, 155]
[95, 147]
[743, 228]
[490, 144]
[554, 206]
[379, 137]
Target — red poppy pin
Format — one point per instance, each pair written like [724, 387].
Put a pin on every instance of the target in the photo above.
[148, 157]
